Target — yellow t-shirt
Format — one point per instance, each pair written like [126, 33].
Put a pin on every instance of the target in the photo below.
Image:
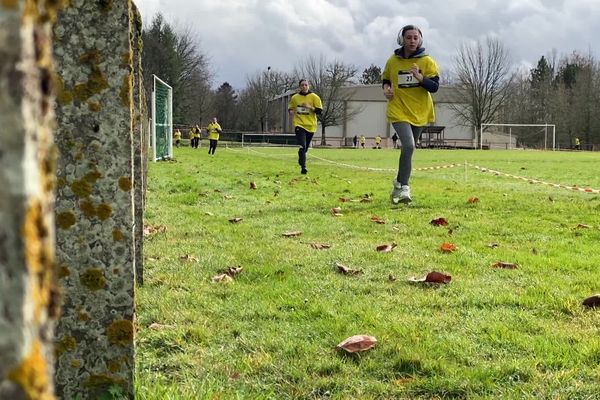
[177, 135]
[363, 139]
[377, 139]
[213, 130]
[304, 117]
[411, 103]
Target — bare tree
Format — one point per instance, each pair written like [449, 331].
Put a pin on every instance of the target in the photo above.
[329, 80]
[483, 75]
[371, 75]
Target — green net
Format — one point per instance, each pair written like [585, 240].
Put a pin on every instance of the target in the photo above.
[162, 119]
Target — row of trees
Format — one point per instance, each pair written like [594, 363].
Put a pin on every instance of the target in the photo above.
[561, 91]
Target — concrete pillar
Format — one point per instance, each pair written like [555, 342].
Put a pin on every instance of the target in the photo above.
[95, 203]
[29, 298]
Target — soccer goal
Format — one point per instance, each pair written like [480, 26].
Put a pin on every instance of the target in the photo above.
[539, 136]
[162, 120]
[268, 139]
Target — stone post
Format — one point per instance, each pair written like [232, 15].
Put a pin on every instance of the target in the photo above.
[28, 289]
[95, 202]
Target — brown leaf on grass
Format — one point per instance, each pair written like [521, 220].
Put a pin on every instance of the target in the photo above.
[158, 327]
[189, 257]
[345, 199]
[292, 233]
[222, 278]
[473, 200]
[392, 277]
[235, 220]
[377, 220]
[228, 197]
[492, 245]
[346, 270]
[582, 226]
[357, 343]
[386, 248]
[320, 246]
[336, 211]
[439, 222]
[252, 185]
[592, 301]
[448, 247]
[218, 190]
[153, 229]
[366, 200]
[208, 213]
[233, 271]
[433, 277]
[505, 265]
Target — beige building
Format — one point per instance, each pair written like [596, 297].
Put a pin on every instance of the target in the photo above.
[370, 120]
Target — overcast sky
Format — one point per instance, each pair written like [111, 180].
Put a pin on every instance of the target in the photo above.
[243, 37]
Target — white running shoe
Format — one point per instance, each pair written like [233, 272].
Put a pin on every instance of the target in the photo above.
[400, 193]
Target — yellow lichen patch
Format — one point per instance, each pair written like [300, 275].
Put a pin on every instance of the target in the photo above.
[127, 58]
[115, 364]
[61, 182]
[84, 316]
[34, 233]
[67, 343]
[65, 219]
[105, 5]
[32, 375]
[96, 83]
[104, 211]
[93, 279]
[117, 235]
[94, 106]
[63, 271]
[125, 183]
[91, 57]
[92, 176]
[120, 332]
[87, 208]
[81, 188]
[76, 363]
[63, 96]
[126, 91]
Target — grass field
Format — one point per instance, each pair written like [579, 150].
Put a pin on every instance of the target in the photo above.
[271, 333]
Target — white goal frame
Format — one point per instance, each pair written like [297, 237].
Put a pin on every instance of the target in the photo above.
[168, 125]
[546, 126]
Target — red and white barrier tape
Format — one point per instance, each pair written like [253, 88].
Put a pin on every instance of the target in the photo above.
[532, 181]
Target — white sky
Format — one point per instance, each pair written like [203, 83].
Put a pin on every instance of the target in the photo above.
[242, 37]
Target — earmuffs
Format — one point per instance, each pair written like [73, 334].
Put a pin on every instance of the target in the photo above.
[400, 39]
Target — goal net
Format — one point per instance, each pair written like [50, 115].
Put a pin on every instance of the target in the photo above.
[162, 120]
[512, 136]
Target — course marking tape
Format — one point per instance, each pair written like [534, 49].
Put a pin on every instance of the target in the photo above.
[532, 181]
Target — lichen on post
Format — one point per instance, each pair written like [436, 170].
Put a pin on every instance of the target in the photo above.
[95, 202]
[29, 296]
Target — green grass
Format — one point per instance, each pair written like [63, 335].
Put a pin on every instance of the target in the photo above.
[490, 333]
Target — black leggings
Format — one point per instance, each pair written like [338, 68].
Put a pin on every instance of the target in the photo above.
[212, 146]
[303, 138]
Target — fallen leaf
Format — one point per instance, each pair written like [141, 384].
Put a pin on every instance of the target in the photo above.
[235, 220]
[233, 271]
[336, 211]
[472, 200]
[439, 222]
[224, 278]
[292, 233]
[392, 277]
[366, 200]
[492, 245]
[433, 277]
[189, 257]
[208, 213]
[253, 185]
[218, 190]
[450, 232]
[228, 197]
[386, 248]
[448, 247]
[153, 229]
[320, 246]
[357, 343]
[377, 220]
[582, 226]
[158, 327]
[346, 270]
[592, 301]
[505, 265]
[345, 199]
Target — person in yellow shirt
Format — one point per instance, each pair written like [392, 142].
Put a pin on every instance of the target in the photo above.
[195, 137]
[363, 140]
[378, 142]
[577, 144]
[408, 79]
[214, 130]
[304, 107]
[177, 137]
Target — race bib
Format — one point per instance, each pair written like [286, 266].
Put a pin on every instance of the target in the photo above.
[406, 79]
[302, 110]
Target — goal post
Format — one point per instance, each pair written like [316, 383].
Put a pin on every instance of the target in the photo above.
[162, 119]
[546, 128]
